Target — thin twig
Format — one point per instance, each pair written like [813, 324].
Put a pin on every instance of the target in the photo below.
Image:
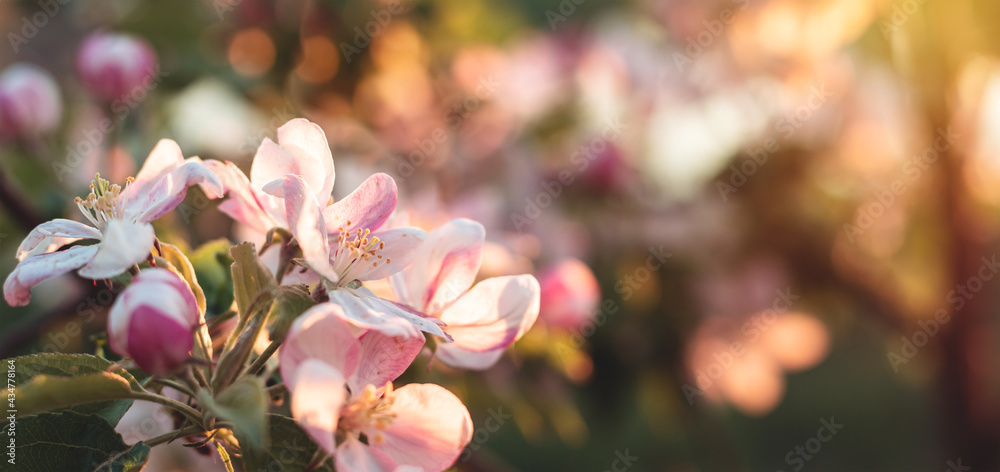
[258, 363]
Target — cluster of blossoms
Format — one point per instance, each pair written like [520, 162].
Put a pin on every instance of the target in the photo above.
[339, 357]
[111, 66]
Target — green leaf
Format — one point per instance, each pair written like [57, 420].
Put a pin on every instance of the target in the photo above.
[250, 279]
[182, 267]
[70, 441]
[211, 263]
[53, 365]
[293, 300]
[290, 449]
[44, 393]
[234, 358]
[244, 404]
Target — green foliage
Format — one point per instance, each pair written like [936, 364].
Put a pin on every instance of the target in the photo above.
[292, 301]
[211, 264]
[250, 279]
[46, 381]
[244, 404]
[290, 449]
[71, 441]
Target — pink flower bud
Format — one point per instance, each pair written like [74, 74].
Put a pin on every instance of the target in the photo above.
[570, 294]
[113, 65]
[30, 103]
[153, 321]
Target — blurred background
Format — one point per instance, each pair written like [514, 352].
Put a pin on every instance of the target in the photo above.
[765, 229]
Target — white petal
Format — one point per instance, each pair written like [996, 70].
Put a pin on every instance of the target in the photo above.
[319, 333]
[306, 222]
[318, 395]
[446, 266]
[495, 313]
[355, 456]
[431, 427]
[124, 244]
[364, 309]
[51, 235]
[165, 157]
[401, 247]
[461, 358]
[36, 269]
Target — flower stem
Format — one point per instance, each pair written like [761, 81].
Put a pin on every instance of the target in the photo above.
[176, 386]
[258, 363]
[182, 408]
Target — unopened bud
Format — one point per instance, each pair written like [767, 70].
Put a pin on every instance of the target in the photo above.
[113, 65]
[30, 103]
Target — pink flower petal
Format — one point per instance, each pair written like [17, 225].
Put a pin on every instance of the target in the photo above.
[446, 266]
[308, 136]
[306, 222]
[124, 244]
[318, 395]
[367, 207]
[355, 456]
[431, 427]
[58, 231]
[153, 289]
[319, 333]
[164, 158]
[162, 195]
[461, 358]
[36, 269]
[384, 358]
[242, 204]
[401, 247]
[365, 310]
[156, 341]
[495, 313]
[302, 150]
[570, 294]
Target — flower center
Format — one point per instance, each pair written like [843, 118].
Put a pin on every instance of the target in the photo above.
[369, 413]
[357, 256]
[104, 203]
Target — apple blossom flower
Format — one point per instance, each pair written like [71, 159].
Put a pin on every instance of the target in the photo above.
[289, 187]
[332, 377]
[353, 258]
[302, 150]
[569, 294]
[112, 65]
[30, 103]
[483, 320]
[153, 321]
[120, 219]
